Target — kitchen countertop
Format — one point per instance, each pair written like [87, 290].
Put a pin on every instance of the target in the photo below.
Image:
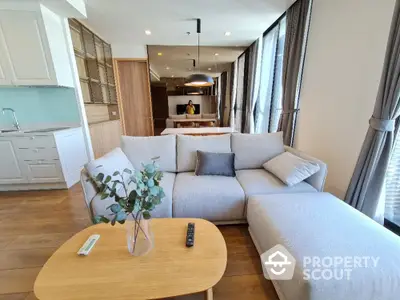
[202, 130]
[37, 131]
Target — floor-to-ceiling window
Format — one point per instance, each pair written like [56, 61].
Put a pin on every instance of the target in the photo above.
[269, 105]
[392, 189]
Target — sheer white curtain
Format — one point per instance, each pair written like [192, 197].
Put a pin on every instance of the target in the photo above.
[391, 193]
[269, 104]
[233, 94]
[263, 112]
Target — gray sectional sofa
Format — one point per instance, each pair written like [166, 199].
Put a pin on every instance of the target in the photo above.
[215, 198]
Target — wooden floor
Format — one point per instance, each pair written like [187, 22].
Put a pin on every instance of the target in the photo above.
[34, 224]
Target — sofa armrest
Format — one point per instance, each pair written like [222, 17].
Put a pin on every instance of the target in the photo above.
[318, 179]
[89, 190]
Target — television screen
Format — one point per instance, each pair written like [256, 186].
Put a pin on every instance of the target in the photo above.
[181, 109]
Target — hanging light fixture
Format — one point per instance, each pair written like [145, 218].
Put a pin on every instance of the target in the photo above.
[199, 79]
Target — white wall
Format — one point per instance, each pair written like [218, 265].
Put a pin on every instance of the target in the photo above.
[343, 66]
[204, 101]
[129, 51]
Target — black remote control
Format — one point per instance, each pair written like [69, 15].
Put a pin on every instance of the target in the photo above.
[190, 235]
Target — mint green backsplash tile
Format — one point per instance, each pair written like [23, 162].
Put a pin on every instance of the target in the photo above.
[39, 105]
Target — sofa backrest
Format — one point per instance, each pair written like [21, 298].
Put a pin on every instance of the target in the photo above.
[253, 150]
[187, 147]
[140, 150]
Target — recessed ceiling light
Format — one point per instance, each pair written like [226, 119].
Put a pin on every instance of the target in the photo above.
[147, 32]
[189, 69]
[159, 53]
[167, 68]
[216, 54]
[227, 33]
[172, 75]
[209, 69]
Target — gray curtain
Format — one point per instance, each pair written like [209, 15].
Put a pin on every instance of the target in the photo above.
[369, 174]
[297, 24]
[253, 85]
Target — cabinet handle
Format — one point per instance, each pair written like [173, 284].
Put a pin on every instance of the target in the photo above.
[32, 137]
[36, 150]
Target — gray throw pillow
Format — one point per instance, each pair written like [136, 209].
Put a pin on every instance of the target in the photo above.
[210, 163]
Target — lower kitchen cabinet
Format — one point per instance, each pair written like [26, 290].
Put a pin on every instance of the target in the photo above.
[50, 160]
[10, 170]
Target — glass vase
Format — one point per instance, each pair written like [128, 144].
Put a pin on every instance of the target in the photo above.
[139, 236]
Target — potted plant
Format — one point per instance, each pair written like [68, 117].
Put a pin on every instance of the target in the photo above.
[136, 194]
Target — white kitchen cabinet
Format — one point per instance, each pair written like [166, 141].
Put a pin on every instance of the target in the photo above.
[36, 161]
[44, 171]
[10, 170]
[33, 48]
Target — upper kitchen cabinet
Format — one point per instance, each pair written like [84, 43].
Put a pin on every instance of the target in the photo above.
[33, 48]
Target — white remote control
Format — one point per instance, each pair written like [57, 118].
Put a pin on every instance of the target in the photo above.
[88, 245]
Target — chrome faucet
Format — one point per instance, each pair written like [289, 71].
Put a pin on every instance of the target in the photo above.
[16, 124]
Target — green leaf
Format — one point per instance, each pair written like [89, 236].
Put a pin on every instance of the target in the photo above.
[132, 195]
[116, 173]
[156, 200]
[150, 168]
[115, 208]
[154, 190]
[104, 196]
[155, 158]
[121, 221]
[148, 206]
[150, 183]
[146, 215]
[121, 216]
[100, 177]
[127, 171]
[108, 179]
[101, 219]
[161, 194]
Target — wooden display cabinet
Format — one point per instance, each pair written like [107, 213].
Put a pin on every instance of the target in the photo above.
[94, 63]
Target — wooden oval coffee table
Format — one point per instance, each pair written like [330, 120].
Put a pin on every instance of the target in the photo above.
[110, 272]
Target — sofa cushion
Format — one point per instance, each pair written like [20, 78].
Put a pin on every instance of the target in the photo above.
[320, 225]
[187, 147]
[215, 198]
[261, 182]
[290, 168]
[253, 150]
[141, 149]
[164, 210]
[116, 160]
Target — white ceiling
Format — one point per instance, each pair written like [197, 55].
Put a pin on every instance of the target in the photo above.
[124, 21]
[177, 61]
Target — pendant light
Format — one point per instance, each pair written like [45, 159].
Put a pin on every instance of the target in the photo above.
[199, 79]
